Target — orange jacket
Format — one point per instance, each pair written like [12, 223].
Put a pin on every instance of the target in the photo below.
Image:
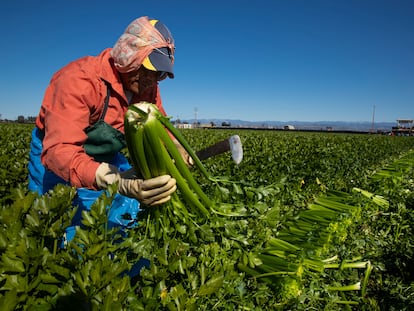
[73, 101]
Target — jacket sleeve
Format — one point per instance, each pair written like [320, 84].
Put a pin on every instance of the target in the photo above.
[67, 107]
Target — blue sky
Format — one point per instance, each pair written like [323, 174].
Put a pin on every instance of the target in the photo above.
[277, 60]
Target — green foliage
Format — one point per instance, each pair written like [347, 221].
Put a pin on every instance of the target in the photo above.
[31, 271]
[14, 156]
[199, 265]
[35, 272]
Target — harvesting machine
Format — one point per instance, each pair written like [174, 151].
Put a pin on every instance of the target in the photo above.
[404, 128]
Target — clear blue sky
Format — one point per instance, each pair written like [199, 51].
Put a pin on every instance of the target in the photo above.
[278, 60]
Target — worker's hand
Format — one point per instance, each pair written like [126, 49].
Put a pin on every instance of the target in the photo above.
[184, 154]
[149, 192]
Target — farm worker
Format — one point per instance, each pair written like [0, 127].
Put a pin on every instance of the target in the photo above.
[79, 131]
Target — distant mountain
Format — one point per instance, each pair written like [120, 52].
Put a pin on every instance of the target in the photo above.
[304, 125]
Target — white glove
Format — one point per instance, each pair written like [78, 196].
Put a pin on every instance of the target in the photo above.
[149, 192]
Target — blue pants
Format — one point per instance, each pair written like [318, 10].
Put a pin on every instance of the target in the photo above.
[42, 180]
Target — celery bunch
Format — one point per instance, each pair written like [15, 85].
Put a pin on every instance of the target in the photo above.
[154, 153]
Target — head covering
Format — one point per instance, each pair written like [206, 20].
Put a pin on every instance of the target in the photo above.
[161, 59]
[144, 42]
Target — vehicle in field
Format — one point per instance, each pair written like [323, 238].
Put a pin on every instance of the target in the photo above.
[404, 128]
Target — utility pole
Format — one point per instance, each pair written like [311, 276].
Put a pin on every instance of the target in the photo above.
[195, 117]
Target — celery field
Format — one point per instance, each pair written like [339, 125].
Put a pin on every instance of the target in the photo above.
[307, 221]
